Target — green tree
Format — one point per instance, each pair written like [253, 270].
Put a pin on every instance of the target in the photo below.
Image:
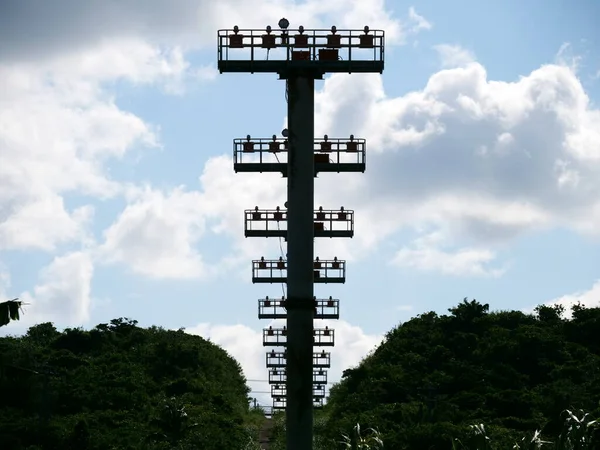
[119, 386]
[435, 375]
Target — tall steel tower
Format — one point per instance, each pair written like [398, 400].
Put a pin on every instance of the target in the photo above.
[300, 57]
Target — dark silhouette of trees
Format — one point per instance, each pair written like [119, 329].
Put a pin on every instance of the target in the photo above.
[119, 386]
[436, 374]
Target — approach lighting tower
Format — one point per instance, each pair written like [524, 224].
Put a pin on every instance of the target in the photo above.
[300, 56]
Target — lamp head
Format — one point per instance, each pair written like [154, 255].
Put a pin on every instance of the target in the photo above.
[284, 23]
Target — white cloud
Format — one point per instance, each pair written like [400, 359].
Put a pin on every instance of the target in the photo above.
[60, 127]
[481, 161]
[63, 292]
[589, 299]
[566, 57]
[4, 282]
[156, 235]
[60, 123]
[419, 22]
[427, 167]
[58, 130]
[452, 56]
[478, 160]
[428, 254]
[245, 345]
[37, 30]
[462, 262]
[405, 308]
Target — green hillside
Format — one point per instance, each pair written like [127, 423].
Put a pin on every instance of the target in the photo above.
[119, 386]
[437, 374]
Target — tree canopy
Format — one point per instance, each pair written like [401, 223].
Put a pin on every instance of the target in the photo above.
[119, 386]
[435, 374]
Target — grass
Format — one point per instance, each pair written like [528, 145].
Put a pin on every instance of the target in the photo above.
[578, 434]
[372, 441]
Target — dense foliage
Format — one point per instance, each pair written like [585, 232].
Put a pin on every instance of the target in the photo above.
[119, 386]
[437, 374]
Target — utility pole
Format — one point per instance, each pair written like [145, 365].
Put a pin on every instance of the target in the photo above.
[300, 57]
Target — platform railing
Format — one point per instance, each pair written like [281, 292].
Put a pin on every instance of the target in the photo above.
[321, 360]
[280, 391]
[279, 403]
[272, 151]
[276, 308]
[253, 45]
[274, 221]
[275, 271]
[320, 377]
[278, 376]
[275, 336]
[324, 337]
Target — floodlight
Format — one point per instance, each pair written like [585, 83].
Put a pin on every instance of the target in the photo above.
[284, 23]
[284, 132]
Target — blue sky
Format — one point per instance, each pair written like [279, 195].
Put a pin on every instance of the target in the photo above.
[119, 197]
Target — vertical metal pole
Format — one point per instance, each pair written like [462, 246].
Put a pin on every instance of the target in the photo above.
[300, 257]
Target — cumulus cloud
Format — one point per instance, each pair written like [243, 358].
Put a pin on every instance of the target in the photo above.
[59, 129]
[35, 29]
[454, 55]
[589, 299]
[61, 125]
[419, 22]
[426, 255]
[4, 282]
[477, 160]
[245, 345]
[480, 160]
[63, 292]
[156, 233]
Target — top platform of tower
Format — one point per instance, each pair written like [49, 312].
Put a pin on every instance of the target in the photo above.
[300, 51]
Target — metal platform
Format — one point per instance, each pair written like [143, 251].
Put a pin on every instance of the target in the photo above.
[276, 337]
[280, 404]
[271, 155]
[320, 377]
[273, 223]
[323, 337]
[322, 360]
[280, 391]
[276, 309]
[310, 51]
[277, 360]
[278, 376]
[275, 271]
